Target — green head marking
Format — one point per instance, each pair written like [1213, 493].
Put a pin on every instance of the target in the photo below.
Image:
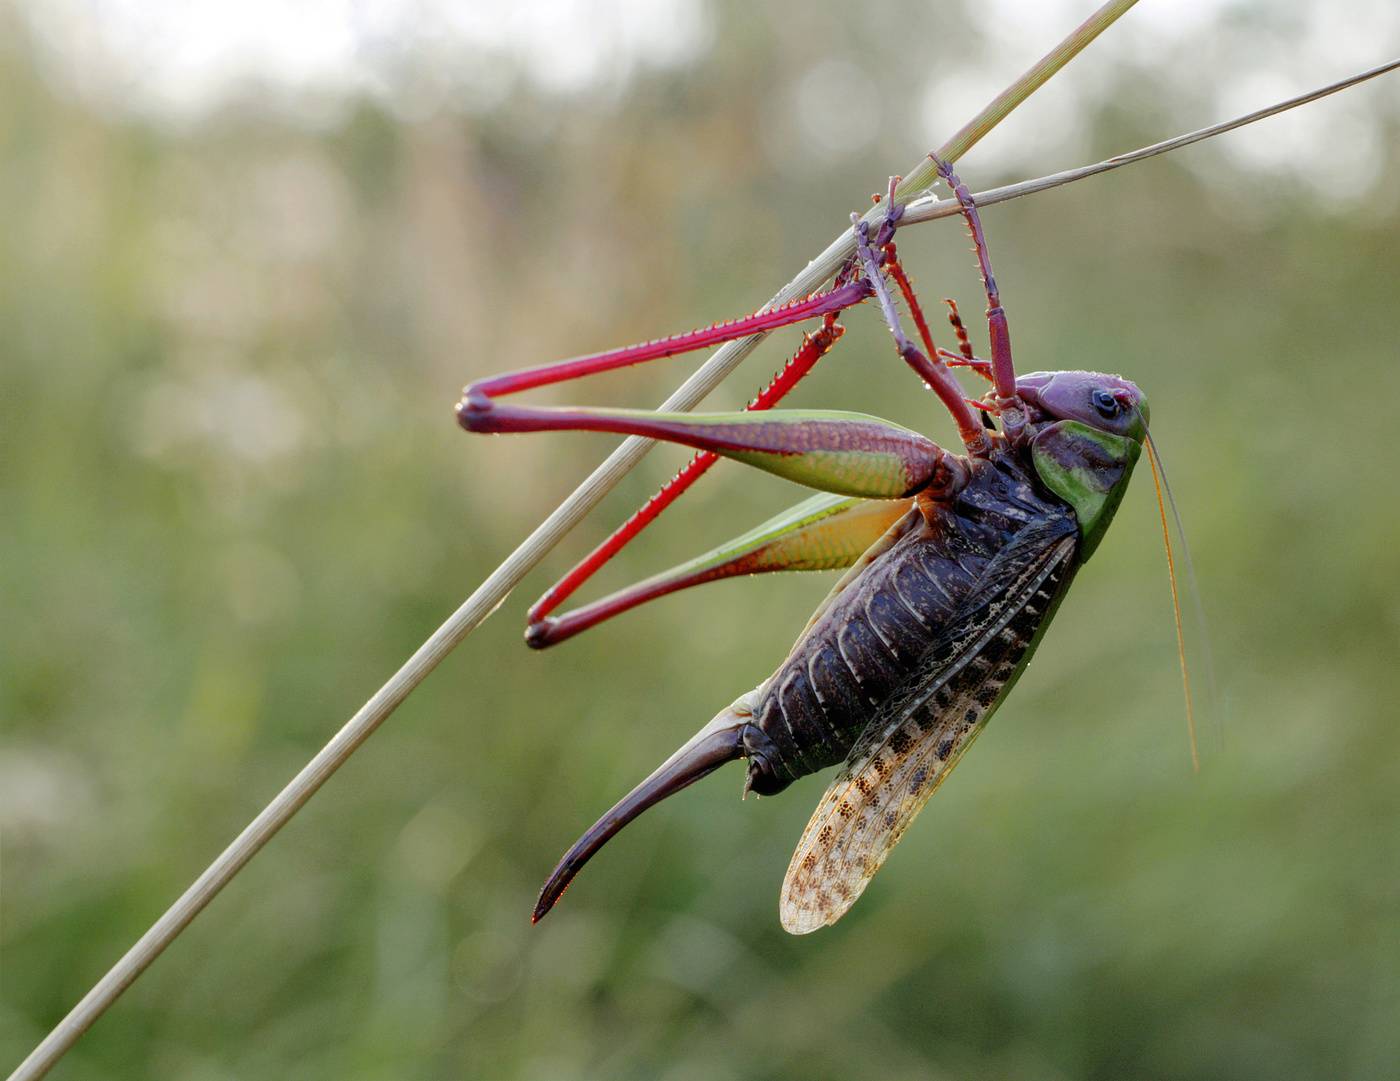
[1091, 437]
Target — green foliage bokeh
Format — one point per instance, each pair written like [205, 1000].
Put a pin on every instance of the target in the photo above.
[234, 499]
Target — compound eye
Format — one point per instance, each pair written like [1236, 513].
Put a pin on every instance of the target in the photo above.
[1105, 403]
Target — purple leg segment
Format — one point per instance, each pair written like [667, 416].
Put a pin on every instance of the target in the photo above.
[1003, 370]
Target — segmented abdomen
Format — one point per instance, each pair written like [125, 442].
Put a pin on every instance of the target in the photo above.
[873, 640]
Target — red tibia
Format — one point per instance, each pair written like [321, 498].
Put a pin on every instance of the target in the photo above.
[965, 359]
[550, 631]
[830, 302]
[964, 343]
[588, 566]
[906, 287]
[931, 370]
[814, 346]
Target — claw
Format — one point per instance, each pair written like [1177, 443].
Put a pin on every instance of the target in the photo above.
[718, 742]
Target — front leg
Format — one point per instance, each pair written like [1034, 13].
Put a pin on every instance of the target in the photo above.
[1009, 405]
[931, 369]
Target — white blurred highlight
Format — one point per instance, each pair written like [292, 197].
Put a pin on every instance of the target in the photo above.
[178, 61]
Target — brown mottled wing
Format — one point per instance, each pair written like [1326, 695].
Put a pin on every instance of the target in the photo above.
[912, 744]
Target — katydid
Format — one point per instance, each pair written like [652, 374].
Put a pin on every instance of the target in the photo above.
[955, 562]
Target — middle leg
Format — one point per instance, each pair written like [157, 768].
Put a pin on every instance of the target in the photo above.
[931, 369]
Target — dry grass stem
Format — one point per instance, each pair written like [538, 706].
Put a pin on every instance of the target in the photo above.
[931, 208]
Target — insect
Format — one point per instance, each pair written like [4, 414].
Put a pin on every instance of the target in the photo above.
[955, 562]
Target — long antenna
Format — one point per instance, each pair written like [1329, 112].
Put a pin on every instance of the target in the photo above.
[1193, 588]
[1154, 462]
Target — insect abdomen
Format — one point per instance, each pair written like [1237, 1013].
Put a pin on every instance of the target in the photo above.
[873, 640]
[862, 650]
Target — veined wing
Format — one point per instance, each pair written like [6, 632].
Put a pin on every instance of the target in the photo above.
[918, 736]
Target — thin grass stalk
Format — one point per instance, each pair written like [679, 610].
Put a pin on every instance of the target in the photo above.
[923, 176]
[930, 208]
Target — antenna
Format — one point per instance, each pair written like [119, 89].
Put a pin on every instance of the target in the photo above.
[1157, 479]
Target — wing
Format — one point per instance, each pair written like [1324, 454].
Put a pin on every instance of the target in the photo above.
[912, 744]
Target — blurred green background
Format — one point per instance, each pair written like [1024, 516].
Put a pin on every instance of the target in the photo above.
[240, 288]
